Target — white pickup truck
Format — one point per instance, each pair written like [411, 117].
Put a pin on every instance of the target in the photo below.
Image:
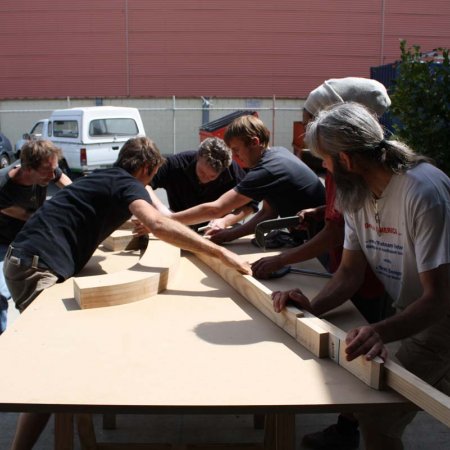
[90, 137]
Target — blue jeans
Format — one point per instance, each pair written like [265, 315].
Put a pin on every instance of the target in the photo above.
[4, 292]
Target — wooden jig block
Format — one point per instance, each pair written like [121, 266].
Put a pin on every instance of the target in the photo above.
[146, 278]
[122, 240]
[312, 336]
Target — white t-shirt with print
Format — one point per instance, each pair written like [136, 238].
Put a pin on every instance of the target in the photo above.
[412, 234]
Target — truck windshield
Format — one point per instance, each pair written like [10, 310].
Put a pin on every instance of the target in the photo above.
[65, 128]
[113, 127]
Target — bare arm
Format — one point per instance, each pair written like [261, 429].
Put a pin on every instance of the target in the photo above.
[230, 219]
[175, 233]
[63, 181]
[230, 234]
[207, 211]
[157, 203]
[431, 306]
[344, 283]
[331, 235]
[16, 212]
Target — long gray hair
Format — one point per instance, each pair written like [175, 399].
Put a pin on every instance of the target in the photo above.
[353, 129]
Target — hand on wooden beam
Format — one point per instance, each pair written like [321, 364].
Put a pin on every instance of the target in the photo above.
[364, 341]
[281, 298]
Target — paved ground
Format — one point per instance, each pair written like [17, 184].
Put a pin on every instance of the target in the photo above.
[424, 433]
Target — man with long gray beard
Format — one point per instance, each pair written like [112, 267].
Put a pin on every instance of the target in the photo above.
[397, 219]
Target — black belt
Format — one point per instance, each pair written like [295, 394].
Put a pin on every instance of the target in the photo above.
[25, 259]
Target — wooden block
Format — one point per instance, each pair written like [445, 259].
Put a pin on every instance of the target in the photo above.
[368, 371]
[334, 336]
[334, 344]
[312, 336]
[117, 288]
[127, 225]
[145, 279]
[122, 240]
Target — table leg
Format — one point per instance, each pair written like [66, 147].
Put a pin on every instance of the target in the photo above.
[86, 431]
[279, 432]
[63, 431]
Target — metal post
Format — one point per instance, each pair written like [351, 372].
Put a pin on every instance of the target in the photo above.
[174, 125]
[205, 110]
[273, 119]
[127, 50]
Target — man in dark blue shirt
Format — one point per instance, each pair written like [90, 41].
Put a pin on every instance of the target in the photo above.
[194, 177]
[276, 177]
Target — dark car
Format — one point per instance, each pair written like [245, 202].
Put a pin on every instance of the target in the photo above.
[7, 154]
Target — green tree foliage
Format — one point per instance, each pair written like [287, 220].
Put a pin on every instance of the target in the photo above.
[421, 102]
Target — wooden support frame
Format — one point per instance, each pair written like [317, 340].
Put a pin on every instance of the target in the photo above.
[375, 373]
[141, 281]
[279, 434]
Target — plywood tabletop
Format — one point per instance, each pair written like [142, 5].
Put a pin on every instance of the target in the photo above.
[198, 345]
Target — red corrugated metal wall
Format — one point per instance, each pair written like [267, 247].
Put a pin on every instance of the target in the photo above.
[232, 48]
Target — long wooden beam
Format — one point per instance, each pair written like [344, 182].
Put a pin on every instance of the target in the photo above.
[313, 334]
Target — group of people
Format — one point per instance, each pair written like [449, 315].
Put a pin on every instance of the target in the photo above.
[385, 212]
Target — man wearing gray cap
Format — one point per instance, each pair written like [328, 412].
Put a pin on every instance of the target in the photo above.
[397, 220]
[369, 93]
[370, 298]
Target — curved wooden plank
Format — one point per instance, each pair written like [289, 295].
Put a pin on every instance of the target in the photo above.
[150, 275]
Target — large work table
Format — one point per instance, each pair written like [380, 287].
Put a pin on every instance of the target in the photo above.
[197, 347]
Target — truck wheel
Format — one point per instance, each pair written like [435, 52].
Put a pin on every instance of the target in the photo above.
[4, 160]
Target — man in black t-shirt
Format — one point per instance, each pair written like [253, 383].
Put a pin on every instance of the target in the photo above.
[194, 177]
[81, 216]
[276, 177]
[23, 189]
[63, 234]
